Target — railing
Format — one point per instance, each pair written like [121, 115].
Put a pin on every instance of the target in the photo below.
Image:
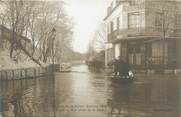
[141, 32]
[135, 7]
[159, 60]
[160, 63]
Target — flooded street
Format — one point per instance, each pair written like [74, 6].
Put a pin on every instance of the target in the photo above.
[81, 93]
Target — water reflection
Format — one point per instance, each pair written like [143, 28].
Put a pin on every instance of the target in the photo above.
[156, 98]
[83, 93]
[28, 98]
[80, 93]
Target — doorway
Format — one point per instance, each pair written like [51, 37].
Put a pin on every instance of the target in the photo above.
[135, 54]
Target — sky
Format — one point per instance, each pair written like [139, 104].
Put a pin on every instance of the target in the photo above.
[87, 15]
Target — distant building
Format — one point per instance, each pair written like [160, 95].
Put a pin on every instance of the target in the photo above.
[143, 30]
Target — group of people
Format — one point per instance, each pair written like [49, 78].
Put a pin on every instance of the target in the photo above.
[121, 67]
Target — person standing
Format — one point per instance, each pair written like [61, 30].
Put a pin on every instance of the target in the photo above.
[174, 66]
[126, 68]
[116, 66]
[149, 64]
[121, 67]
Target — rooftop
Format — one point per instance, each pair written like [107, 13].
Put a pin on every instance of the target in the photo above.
[123, 1]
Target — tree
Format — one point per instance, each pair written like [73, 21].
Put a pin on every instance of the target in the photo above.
[99, 38]
[35, 20]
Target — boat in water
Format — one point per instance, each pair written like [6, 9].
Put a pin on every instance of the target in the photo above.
[65, 67]
[123, 79]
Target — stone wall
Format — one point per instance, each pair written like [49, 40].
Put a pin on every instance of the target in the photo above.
[24, 73]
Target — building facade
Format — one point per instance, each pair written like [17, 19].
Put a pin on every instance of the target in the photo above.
[143, 30]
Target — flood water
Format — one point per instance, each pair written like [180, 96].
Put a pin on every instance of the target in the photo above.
[82, 93]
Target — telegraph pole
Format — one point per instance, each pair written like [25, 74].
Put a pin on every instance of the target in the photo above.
[53, 54]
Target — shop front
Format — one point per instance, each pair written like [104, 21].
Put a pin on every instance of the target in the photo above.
[136, 54]
[132, 51]
[161, 53]
[146, 52]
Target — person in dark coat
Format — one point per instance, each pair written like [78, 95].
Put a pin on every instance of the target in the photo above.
[116, 67]
[126, 69]
[174, 66]
[123, 67]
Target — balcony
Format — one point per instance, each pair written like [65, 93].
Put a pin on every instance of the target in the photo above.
[137, 33]
[132, 8]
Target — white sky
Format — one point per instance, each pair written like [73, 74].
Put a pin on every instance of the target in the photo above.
[87, 15]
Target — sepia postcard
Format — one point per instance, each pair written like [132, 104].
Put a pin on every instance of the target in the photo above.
[90, 58]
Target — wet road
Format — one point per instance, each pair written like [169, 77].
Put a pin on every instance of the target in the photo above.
[82, 93]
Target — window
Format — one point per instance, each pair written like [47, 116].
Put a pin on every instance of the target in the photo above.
[108, 29]
[159, 20]
[157, 52]
[1, 44]
[178, 22]
[131, 50]
[118, 23]
[112, 4]
[136, 2]
[133, 20]
[117, 2]
[133, 2]
[112, 26]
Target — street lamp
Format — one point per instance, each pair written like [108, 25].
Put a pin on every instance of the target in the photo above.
[53, 54]
[53, 62]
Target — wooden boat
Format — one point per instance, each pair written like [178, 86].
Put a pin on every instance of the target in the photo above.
[122, 79]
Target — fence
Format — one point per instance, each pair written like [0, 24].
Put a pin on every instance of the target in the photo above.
[25, 73]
